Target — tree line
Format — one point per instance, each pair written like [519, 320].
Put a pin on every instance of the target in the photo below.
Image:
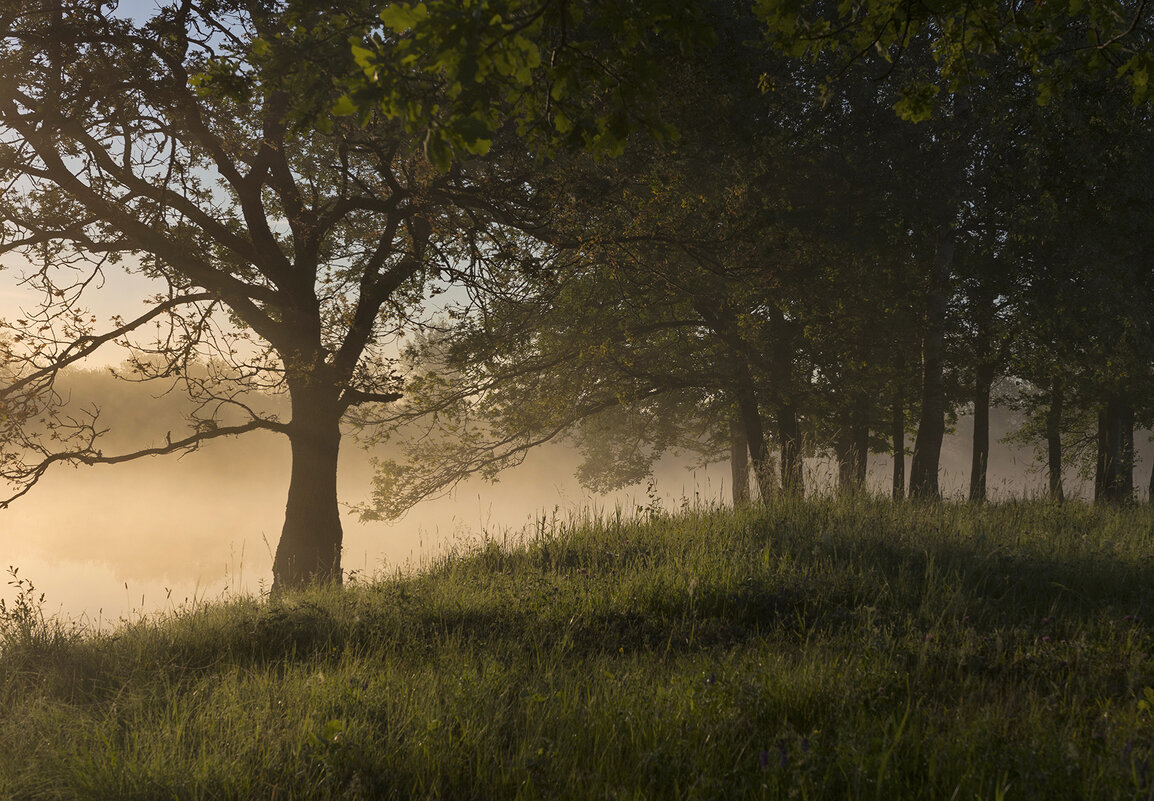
[815, 266]
[723, 227]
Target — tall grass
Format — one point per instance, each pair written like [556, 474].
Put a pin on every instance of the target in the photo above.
[816, 649]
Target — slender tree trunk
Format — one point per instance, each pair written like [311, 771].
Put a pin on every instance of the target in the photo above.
[789, 434]
[1100, 465]
[750, 411]
[1150, 496]
[861, 440]
[982, 303]
[1054, 441]
[1128, 453]
[1114, 477]
[852, 447]
[898, 433]
[739, 463]
[309, 550]
[843, 450]
[782, 357]
[980, 461]
[932, 426]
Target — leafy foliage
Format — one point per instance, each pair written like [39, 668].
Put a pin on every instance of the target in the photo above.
[576, 75]
[1052, 44]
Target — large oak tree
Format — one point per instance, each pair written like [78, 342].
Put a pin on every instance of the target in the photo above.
[289, 243]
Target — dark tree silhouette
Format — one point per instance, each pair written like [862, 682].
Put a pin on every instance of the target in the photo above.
[290, 244]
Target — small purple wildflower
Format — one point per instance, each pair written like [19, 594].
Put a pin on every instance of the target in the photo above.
[782, 753]
[763, 759]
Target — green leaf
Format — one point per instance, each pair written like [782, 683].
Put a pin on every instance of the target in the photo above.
[917, 102]
[364, 57]
[401, 17]
[345, 107]
[472, 129]
[1045, 93]
[437, 150]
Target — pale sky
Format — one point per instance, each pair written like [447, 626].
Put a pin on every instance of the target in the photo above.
[137, 8]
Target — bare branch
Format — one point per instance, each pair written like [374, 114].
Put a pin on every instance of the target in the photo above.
[85, 346]
[93, 457]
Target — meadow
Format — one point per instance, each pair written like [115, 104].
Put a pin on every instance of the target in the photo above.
[826, 648]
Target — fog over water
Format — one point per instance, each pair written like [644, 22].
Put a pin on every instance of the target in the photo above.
[209, 521]
[113, 542]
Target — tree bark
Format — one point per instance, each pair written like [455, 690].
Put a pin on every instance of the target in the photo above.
[750, 412]
[932, 426]
[739, 463]
[980, 461]
[861, 440]
[852, 447]
[789, 434]
[1054, 441]
[843, 449]
[1150, 496]
[985, 368]
[309, 551]
[782, 357]
[898, 433]
[1114, 476]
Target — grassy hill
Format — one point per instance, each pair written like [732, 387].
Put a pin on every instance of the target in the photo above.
[814, 650]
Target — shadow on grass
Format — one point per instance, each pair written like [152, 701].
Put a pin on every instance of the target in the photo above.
[590, 599]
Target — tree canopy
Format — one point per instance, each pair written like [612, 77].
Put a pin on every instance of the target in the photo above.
[288, 255]
[772, 259]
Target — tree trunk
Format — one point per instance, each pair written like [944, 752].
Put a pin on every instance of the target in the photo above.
[898, 429]
[782, 357]
[1150, 496]
[739, 463]
[309, 550]
[1114, 477]
[843, 449]
[750, 411]
[861, 440]
[852, 447]
[1054, 441]
[789, 433]
[1101, 460]
[983, 381]
[932, 426]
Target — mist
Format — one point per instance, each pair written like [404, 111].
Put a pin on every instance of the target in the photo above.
[115, 542]
[107, 543]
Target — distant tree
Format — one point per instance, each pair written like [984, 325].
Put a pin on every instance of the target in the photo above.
[950, 60]
[1081, 231]
[669, 329]
[643, 343]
